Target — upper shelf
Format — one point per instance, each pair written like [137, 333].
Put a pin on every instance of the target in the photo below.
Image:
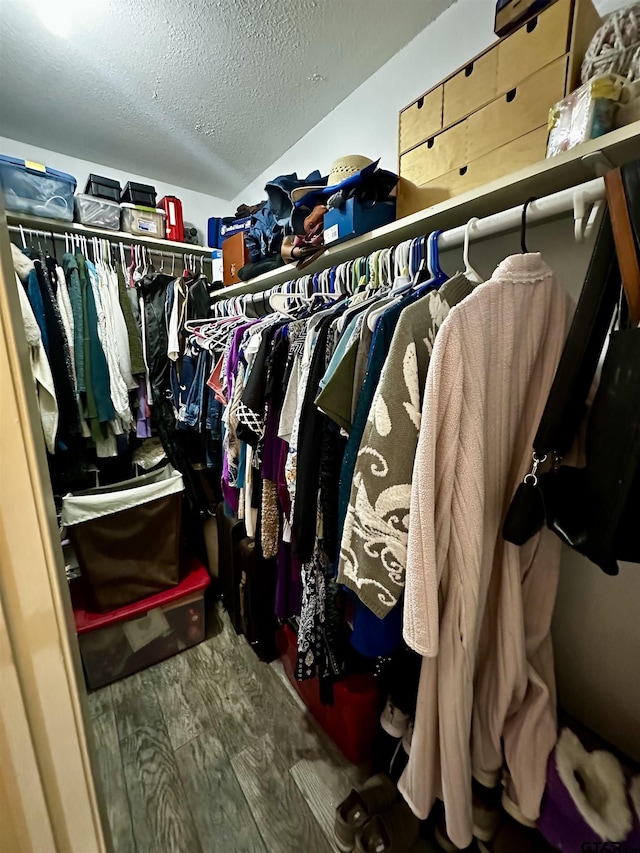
[37, 223]
[543, 178]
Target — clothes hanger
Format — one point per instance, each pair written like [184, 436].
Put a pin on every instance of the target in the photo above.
[469, 271]
[53, 246]
[438, 275]
[523, 227]
[582, 229]
[403, 280]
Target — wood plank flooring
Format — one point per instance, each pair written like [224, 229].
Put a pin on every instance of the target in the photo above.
[213, 751]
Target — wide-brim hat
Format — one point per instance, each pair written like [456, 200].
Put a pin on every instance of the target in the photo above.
[344, 173]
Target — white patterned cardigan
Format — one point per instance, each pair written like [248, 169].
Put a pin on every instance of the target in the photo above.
[373, 551]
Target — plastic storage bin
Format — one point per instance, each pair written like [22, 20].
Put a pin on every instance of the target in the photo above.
[97, 212]
[114, 645]
[134, 193]
[34, 189]
[355, 218]
[143, 221]
[102, 187]
[172, 206]
[127, 537]
[352, 721]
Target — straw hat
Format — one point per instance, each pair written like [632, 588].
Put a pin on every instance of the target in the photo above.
[344, 167]
[341, 169]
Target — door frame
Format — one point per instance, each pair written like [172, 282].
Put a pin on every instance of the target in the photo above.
[48, 795]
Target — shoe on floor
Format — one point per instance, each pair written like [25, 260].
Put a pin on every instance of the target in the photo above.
[487, 811]
[585, 799]
[394, 831]
[442, 836]
[393, 720]
[513, 836]
[376, 795]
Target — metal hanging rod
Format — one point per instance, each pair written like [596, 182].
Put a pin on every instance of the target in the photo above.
[577, 199]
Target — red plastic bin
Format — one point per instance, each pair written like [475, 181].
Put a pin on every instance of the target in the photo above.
[116, 644]
[352, 721]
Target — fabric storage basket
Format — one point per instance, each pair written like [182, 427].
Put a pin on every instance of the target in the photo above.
[117, 644]
[127, 537]
[36, 190]
[143, 221]
[97, 212]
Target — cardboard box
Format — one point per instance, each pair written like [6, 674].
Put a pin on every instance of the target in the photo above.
[234, 256]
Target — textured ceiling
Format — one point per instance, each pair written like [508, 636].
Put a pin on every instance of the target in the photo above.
[204, 94]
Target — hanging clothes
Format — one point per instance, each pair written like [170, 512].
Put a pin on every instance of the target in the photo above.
[59, 357]
[373, 551]
[476, 607]
[100, 410]
[26, 272]
[70, 269]
[40, 371]
[134, 335]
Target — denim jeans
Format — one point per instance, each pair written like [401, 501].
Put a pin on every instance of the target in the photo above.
[192, 415]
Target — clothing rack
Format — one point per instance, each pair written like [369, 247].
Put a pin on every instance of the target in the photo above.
[583, 200]
[577, 199]
[48, 235]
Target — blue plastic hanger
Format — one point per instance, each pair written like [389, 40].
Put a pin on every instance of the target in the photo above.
[437, 274]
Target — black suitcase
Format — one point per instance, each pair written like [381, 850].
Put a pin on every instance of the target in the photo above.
[257, 588]
[230, 532]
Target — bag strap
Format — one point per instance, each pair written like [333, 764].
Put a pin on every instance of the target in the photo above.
[625, 243]
[566, 403]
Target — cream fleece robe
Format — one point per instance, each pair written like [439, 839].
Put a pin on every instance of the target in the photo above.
[476, 607]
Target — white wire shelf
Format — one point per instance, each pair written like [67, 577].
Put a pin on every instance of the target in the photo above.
[48, 226]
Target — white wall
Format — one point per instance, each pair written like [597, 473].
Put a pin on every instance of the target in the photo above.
[367, 121]
[197, 207]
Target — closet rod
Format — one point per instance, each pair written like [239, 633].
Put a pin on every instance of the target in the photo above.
[47, 235]
[582, 195]
[59, 227]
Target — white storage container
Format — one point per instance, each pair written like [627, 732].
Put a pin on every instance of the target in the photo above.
[97, 212]
[143, 221]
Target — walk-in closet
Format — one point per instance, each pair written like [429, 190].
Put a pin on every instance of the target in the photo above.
[319, 426]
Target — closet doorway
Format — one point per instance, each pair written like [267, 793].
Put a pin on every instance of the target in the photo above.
[208, 750]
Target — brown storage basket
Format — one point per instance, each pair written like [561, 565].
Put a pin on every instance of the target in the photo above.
[127, 537]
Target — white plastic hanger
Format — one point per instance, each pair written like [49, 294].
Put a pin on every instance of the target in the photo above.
[579, 212]
[469, 271]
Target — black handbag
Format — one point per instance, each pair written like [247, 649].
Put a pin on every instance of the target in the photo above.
[592, 509]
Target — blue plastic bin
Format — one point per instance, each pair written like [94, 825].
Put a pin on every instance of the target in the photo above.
[34, 189]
